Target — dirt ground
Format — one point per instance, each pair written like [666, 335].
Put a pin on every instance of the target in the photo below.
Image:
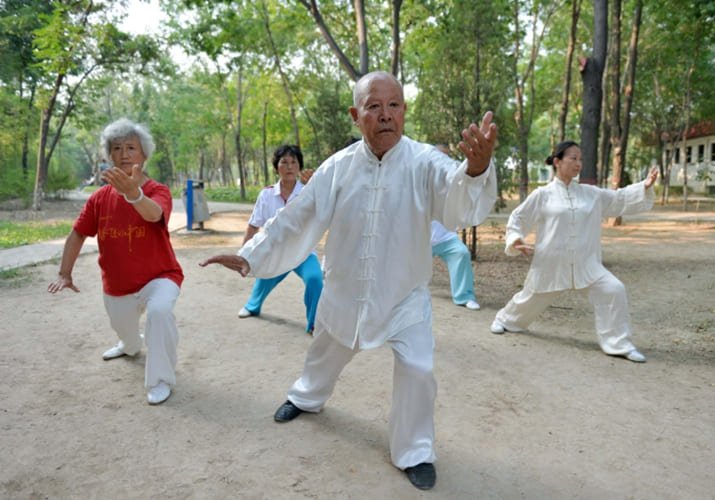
[537, 415]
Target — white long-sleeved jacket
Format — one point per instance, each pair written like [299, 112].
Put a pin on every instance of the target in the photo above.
[567, 221]
[378, 254]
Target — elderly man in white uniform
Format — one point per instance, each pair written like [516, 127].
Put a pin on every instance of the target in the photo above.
[377, 198]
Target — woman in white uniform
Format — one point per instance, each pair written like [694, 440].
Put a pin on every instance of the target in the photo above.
[566, 217]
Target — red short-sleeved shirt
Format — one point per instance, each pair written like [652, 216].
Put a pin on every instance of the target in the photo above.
[132, 251]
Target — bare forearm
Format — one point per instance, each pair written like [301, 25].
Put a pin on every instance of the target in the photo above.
[149, 210]
[250, 233]
[73, 245]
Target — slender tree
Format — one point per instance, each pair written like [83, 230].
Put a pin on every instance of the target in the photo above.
[70, 48]
[314, 10]
[592, 72]
[563, 113]
[620, 142]
[281, 71]
[524, 82]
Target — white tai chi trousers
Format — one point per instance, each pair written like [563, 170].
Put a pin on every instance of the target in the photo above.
[157, 298]
[413, 392]
[610, 307]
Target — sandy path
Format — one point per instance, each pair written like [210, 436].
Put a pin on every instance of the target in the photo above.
[536, 415]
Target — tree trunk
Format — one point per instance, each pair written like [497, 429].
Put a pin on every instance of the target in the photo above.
[314, 11]
[284, 77]
[525, 107]
[604, 144]
[264, 144]
[621, 146]
[42, 157]
[630, 85]
[614, 70]
[396, 6]
[362, 35]
[237, 137]
[684, 135]
[592, 73]
[575, 13]
[26, 134]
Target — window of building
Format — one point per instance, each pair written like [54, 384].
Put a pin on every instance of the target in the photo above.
[677, 156]
[701, 152]
[712, 152]
[689, 154]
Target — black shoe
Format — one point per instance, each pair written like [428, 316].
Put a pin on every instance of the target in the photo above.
[422, 476]
[287, 412]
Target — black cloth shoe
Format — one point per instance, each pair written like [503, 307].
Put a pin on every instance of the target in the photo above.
[287, 412]
[422, 476]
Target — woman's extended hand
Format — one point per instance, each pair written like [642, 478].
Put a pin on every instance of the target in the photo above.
[60, 284]
[127, 185]
[233, 262]
[652, 176]
[527, 250]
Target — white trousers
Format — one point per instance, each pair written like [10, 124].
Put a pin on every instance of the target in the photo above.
[610, 306]
[414, 389]
[157, 298]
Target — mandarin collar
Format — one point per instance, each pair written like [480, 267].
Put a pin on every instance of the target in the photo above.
[561, 183]
[394, 150]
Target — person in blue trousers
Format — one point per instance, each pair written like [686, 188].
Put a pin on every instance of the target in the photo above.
[447, 246]
[288, 163]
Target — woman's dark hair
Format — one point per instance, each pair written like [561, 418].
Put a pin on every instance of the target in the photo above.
[289, 150]
[559, 151]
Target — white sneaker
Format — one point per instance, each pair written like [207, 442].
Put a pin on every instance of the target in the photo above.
[635, 356]
[472, 305]
[497, 327]
[244, 313]
[115, 352]
[159, 393]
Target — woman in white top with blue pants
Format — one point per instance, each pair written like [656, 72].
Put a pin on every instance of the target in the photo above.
[288, 162]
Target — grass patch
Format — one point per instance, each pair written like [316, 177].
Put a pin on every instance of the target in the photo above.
[15, 234]
[223, 193]
[14, 278]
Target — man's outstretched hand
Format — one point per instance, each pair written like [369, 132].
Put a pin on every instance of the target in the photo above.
[478, 144]
[233, 262]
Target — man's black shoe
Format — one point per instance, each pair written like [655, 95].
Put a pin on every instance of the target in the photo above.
[422, 476]
[287, 412]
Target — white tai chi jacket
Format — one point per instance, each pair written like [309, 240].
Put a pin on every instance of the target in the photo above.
[378, 258]
[440, 234]
[567, 220]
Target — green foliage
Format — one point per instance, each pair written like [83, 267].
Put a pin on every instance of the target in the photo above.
[13, 185]
[14, 234]
[60, 180]
[457, 57]
[223, 193]
[233, 194]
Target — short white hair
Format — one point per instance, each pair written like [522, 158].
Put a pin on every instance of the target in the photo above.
[363, 84]
[122, 129]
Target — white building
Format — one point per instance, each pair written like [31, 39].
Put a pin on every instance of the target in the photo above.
[699, 154]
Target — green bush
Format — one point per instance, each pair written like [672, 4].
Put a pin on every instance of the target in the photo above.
[233, 194]
[223, 193]
[60, 180]
[14, 186]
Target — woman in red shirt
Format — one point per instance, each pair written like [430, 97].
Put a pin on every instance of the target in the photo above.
[130, 216]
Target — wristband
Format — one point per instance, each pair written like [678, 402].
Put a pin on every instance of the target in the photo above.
[139, 198]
